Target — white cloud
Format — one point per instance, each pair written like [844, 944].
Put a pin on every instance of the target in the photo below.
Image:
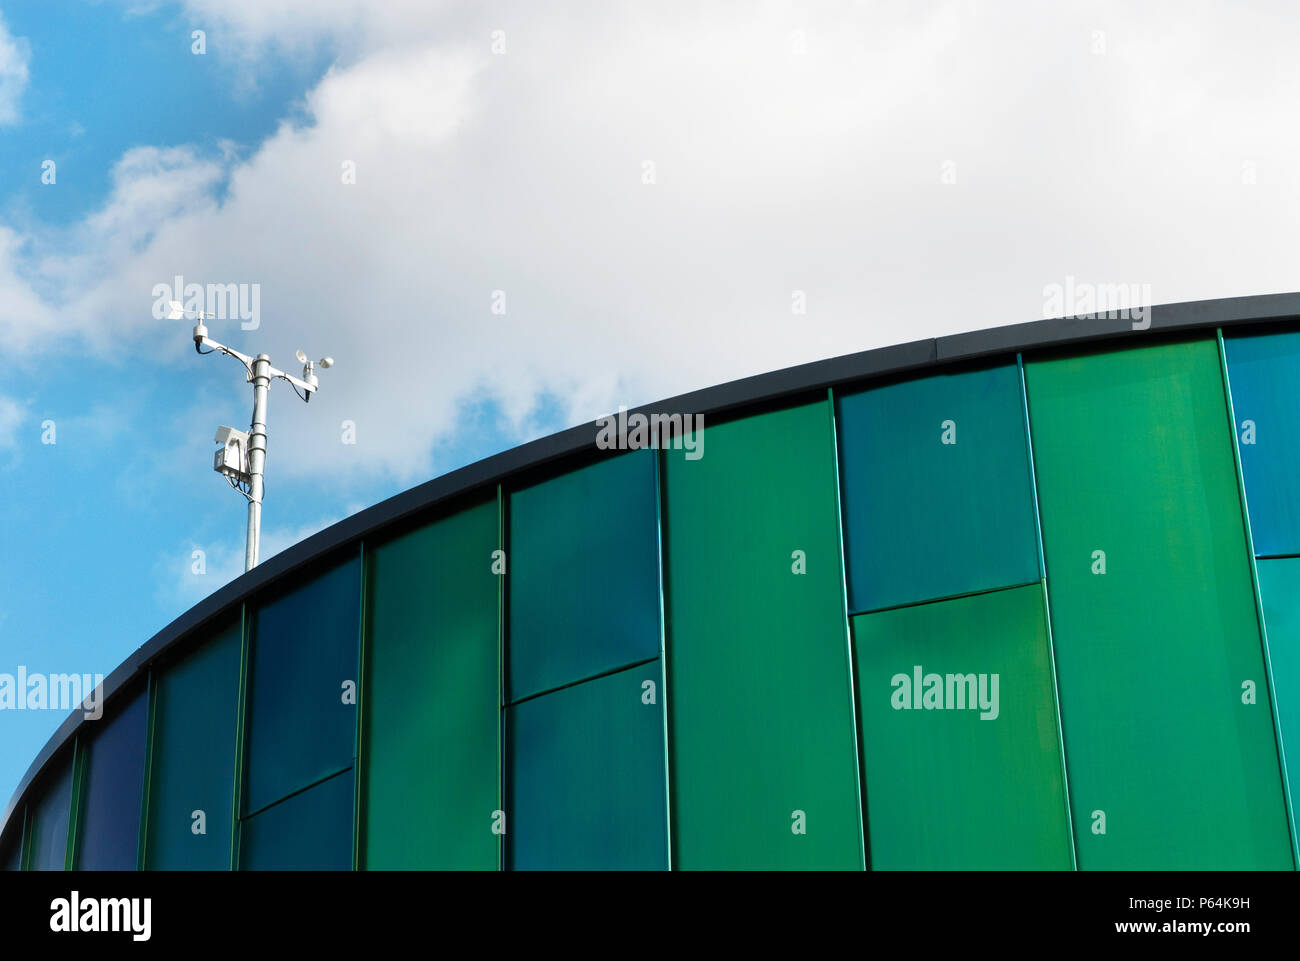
[776, 171]
[15, 58]
[11, 418]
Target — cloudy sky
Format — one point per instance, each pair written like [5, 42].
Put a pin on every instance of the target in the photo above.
[506, 218]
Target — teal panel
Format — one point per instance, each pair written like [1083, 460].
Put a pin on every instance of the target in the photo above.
[959, 736]
[586, 776]
[760, 706]
[48, 846]
[109, 836]
[1264, 371]
[584, 574]
[11, 851]
[936, 488]
[196, 705]
[432, 702]
[1279, 586]
[311, 831]
[304, 652]
[1135, 460]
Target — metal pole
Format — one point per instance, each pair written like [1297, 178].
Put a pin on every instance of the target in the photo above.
[256, 458]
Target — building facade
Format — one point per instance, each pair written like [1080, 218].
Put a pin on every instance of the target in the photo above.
[1025, 598]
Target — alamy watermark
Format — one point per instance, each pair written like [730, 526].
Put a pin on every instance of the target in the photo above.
[52, 692]
[1131, 302]
[75, 914]
[919, 691]
[624, 431]
[242, 302]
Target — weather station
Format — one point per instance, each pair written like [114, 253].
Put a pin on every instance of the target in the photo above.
[241, 456]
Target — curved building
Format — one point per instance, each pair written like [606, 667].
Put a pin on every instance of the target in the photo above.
[1023, 598]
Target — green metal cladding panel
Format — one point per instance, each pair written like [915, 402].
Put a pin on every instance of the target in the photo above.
[759, 695]
[304, 650]
[47, 846]
[196, 705]
[583, 574]
[1264, 371]
[586, 776]
[432, 700]
[962, 776]
[109, 835]
[310, 831]
[1279, 586]
[937, 496]
[1134, 458]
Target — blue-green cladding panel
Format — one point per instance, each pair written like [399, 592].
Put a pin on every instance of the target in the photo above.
[586, 775]
[48, 830]
[301, 717]
[11, 852]
[196, 703]
[1264, 370]
[108, 839]
[936, 488]
[1168, 726]
[760, 707]
[311, 831]
[959, 735]
[583, 574]
[1279, 586]
[432, 727]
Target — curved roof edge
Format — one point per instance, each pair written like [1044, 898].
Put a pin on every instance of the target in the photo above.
[900, 358]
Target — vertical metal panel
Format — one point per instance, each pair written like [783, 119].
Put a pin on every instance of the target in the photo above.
[310, 831]
[1047, 608]
[1279, 587]
[1264, 370]
[936, 490]
[586, 774]
[761, 721]
[832, 408]
[584, 578]
[1134, 459]
[1269, 667]
[108, 838]
[11, 852]
[304, 648]
[664, 699]
[193, 763]
[966, 775]
[48, 813]
[358, 782]
[241, 732]
[502, 627]
[431, 700]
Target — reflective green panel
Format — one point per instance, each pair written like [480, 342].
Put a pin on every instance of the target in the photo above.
[109, 837]
[959, 735]
[1279, 584]
[587, 776]
[304, 651]
[432, 725]
[311, 831]
[584, 574]
[1264, 371]
[1135, 461]
[196, 702]
[11, 851]
[937, 498]
[760, 709]
[49, 825]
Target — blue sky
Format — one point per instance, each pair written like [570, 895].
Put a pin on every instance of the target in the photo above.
[506, 218]
[100, 526]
